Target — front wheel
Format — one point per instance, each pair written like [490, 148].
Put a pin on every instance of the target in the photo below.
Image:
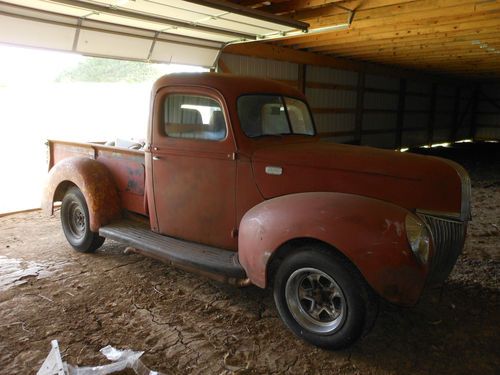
[322, 298]
[75, 222]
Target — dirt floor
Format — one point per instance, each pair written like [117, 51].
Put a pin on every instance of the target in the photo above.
[187, 324]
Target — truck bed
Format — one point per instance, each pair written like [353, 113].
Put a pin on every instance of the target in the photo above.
[126, 166]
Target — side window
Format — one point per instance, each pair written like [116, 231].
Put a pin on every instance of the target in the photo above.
[193, 117]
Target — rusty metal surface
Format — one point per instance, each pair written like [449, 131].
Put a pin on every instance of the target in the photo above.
[130, 179]
[409, 180]
[59, 149]
[247, 192]
[227, 88]
[125, 165]
[93, 179]
[309, 164]
[367, 231]
[128, 174]
[194, 180]
[200, 190]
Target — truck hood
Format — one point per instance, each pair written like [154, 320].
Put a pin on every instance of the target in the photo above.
[411, 181]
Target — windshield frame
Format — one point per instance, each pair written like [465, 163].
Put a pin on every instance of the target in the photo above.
[282, 98]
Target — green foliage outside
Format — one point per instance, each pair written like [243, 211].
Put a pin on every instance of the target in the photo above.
[93, 69]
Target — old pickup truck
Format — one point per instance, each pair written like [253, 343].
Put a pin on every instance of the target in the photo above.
[233, 182]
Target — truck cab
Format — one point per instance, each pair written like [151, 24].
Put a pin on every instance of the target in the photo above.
[234, 183]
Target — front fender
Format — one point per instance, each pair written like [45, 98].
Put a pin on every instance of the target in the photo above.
[95, 182]
[369, 232]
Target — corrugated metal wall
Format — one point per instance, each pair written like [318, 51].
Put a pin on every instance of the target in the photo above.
[381, 111]
[417, 113]
[488, 112]
[255, 67]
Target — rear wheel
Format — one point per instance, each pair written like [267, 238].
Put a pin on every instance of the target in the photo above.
[322, 298]
[75, 222]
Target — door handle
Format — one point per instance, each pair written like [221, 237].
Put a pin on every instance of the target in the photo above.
[156, 158]
[274, 170]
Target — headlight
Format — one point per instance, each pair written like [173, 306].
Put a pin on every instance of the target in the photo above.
[418, 237]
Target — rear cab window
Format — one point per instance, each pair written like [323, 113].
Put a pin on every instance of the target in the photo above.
[193, 117]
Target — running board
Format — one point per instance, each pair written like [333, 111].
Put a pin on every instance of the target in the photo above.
[218, 264]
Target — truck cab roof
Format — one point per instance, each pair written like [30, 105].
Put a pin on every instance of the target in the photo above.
[230, 85]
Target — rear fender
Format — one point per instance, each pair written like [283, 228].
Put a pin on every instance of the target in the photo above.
[369, 232]
[95, 182]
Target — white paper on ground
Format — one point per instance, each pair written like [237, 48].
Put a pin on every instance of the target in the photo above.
[122, 359]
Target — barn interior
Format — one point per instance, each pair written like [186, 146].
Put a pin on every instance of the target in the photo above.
[414, 76]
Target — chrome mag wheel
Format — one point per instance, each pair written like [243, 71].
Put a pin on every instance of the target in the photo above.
[316, 301]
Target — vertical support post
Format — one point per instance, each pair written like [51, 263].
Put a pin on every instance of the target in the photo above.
[432, 114]
[301, 79]
[473, 114]
[153, 44]
[77, 34]
[360, 96]
[456, 112]
[401, 113]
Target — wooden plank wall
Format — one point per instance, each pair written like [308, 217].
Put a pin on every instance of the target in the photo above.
[381, 111]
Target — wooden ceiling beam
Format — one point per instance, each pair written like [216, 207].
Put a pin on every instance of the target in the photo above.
[273, 52]
[418, 53]
[455, 71]
[398, 12]
[414, 46]
[489, 60]
[434, 35]
[430, 40]
[399, 22]
[493, 42]
[384, 35]
[492, 71]
[421, 19]
[444, 62]
[444, 58]
[474, 26]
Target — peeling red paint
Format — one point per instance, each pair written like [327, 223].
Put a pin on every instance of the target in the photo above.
[356, 226]
[353, 198]
[95, 182]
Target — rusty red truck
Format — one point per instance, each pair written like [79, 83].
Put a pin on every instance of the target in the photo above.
[233, 182]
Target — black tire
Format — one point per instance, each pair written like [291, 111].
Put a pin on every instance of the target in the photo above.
[322, 297]
[75, 223]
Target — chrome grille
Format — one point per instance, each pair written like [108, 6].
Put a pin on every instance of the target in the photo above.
[449, 237]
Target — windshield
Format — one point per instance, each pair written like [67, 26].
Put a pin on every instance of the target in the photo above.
[262, 115]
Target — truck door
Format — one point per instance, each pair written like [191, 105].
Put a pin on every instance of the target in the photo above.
[193, 167]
